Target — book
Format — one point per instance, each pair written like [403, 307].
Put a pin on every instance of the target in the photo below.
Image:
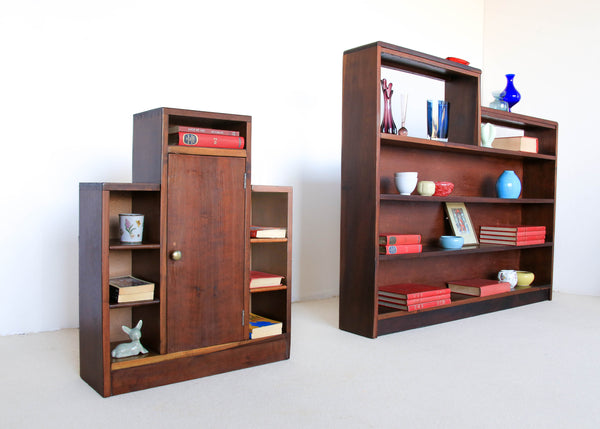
[400, 249]
[117, 298]
[413, 307]
[267, 232]
[259, 279]
[504, 235]
[512, 242]
[478, 287]
[411, 290]
[129, 284]
[206, 140]
[394, 239]
[262, 327]
[519, 143]
[512, 228]
[411, 301]
[183, 129]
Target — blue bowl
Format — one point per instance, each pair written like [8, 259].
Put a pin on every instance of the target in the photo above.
[451, 241]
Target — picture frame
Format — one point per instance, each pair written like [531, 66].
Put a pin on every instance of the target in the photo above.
[461, 222]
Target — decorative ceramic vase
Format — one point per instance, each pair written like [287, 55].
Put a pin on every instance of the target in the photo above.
[511, 95]
[387, 125]
[508, 185]
[499, 103]
[488, 134]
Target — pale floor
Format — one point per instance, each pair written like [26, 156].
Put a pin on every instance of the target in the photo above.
[532, 367]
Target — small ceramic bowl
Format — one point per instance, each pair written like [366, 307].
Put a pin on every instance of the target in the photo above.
[406, 181]
[525, 278]
[443, 189]
[451, 241]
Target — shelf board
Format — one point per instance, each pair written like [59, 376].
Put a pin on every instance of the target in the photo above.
[509, 119]
[135, 303]
[117, 245]
[458, 300]
[426, 144]
[268, 289]
[433, 251]
[239, 153]
[464, 199]
[268, 240]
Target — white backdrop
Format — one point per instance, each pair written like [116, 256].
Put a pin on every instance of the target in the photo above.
[74, 74]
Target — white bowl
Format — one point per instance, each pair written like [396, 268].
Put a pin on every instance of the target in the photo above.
[405, 184]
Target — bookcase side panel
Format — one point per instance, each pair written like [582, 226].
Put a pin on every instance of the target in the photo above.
[360, 190]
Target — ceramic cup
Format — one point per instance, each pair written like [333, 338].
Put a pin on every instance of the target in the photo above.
[509, 276]
[406, 181]
[426, 188]
[131, 227]
[525, 278]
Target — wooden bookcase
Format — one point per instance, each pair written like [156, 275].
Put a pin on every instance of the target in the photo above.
[371, 204]
[198, 202]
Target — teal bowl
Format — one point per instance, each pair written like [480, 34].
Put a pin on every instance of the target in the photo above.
[451, 241]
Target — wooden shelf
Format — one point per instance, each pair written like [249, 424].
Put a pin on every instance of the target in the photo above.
[239, 153]
[268, 240]
[134, 303]
[463, 199]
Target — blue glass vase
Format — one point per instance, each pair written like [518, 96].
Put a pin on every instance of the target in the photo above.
[510, 93]
[508, 185]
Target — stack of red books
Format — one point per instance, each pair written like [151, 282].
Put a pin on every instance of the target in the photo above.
[395, 244]
[412, 296]
[512, 235]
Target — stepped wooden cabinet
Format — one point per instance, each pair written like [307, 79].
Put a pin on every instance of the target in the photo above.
[198, 205]
[371, 205]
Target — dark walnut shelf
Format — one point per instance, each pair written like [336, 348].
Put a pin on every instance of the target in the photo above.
[371, 205]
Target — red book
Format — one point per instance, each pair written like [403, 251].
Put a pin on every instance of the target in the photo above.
[267, 232]
[258, 279]
[512, 228]
[411, 290]
[401, 301]
[394, 239]
[414, 307]
[527, 242]
[478, 287]
[400, 249]
[183, 129]
[207, 140]
[504, 235]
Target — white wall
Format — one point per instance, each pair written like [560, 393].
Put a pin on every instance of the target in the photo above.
[552, 47]
[73, 74]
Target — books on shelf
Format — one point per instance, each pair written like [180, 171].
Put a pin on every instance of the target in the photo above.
[263, 327]
[508, 235]
[259, 279]
[413, 307]
[395, 239]
[184, 129]
[410, 291]
[130, 289]
[206, 140]
[519, 143]
[412, 296]
[267, 232]
[478, 287]
[400, 249]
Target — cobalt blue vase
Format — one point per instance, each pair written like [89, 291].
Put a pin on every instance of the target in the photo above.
[508, 185]
[511, 95]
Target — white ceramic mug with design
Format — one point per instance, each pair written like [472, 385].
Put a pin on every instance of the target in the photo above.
[131, 227]
[509, 276]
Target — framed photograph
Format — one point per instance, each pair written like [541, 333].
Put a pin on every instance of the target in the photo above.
[461, 222]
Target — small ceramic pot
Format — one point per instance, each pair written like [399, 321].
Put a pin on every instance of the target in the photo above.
[451, 241]
[406, 182]
[509, 276]
[525, 278]
[426, 188]
[131, 227]
[443, 189]
[488, 134]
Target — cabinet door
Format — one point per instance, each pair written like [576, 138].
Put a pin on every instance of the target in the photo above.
[206, 203]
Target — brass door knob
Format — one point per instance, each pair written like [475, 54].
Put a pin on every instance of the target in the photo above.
[176, 255]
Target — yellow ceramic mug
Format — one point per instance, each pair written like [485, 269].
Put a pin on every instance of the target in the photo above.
[426, 188]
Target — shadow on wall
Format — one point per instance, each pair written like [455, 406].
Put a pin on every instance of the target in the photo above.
[317, 234]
